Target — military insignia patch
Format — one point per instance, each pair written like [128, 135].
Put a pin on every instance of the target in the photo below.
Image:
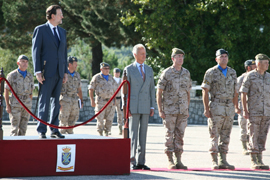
[66, 155]
[66, 158]
[73, 59]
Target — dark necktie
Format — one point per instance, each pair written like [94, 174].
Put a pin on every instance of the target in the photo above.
[142, 72]
[56, 37]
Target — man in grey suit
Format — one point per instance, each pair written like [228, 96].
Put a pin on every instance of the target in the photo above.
[142, 100]
[49, 45]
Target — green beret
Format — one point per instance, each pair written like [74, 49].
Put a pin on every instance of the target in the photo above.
[261, 57]
[71, 59]
[177, 51]
[103, 64]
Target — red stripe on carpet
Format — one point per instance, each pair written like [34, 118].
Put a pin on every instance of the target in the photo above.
[201, 169]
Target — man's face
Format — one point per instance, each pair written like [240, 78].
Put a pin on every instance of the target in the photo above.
[252, 67]
[178, 59]
[105, 70]
[222, 60]
[140, 56]
[117, 75]
[23, 64]
[57, 18]
[263, 65]
[73, 67]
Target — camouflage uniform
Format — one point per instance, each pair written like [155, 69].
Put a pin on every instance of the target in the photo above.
[104, 90]
[69, 112]
[257, 88]
[117, 106]
[241, 120]
[23, 87]
[221, 107]
[175, 85]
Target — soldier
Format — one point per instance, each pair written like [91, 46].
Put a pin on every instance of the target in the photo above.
[173, 97]
[117, 104]
[104, 86]
[256, 88]
[23, 84]
[249, 66]
[69, 98]
[220, 81]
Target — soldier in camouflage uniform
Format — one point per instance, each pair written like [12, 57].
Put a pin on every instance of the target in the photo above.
[249, 66]
[173, 97]
[256, 88]
[23, 84]
[118, 100]
[220, 81]
[70, 93]
[104, 86]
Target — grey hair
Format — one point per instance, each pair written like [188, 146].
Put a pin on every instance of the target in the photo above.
[257, 62]
[136, 47]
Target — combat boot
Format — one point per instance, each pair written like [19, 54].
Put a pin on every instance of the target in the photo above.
[100, 133]
[120, 129]
[106, 133]
[244, 144]
[254, 163]
[223, 164]
[214, 161]
[179, 164]
[170, 159]
[260, 162]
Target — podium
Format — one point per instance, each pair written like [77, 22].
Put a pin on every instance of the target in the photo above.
[26, 156]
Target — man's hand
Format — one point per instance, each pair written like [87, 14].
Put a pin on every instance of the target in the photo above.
[40, 78]
[246, 114]
[162, 114]
[8, 109]
[65, 78]
[151, 112]
[207, 113]
[237, 110]
[93, 104]
[129, 114]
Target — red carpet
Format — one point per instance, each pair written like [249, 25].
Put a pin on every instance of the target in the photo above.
[33, 157]
[200, 169]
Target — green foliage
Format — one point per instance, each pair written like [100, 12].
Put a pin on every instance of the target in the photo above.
[200, 28]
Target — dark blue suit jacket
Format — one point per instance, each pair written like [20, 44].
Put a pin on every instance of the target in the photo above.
[44, 48]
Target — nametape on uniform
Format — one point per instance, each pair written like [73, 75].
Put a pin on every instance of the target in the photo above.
[66, 154]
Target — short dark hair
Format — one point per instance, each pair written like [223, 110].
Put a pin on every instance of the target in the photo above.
[51, 10]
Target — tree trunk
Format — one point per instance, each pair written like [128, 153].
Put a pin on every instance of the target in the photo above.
[97, 56]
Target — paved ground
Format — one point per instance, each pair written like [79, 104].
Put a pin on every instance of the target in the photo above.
[195, 156]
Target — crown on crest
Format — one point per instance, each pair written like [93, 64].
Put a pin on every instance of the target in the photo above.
[66, 149]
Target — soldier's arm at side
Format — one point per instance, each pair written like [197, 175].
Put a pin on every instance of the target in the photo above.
[244, 104]
[91, 95]
[206, 102]
[159, 103]
[235, 102]
[8, 109]
[80, 95]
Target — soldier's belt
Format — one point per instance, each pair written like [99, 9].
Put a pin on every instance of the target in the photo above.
[23, 97]
[118, 97]
[227, 101]
[71, 95]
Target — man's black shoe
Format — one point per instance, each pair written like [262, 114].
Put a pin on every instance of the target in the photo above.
[134, 167]
[42, 136]
[143, 167]
[57, 135]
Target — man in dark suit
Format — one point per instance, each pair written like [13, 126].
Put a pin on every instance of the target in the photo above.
[142, 101]
[49, 44]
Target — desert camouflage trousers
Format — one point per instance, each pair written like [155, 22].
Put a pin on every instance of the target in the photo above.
[106, 115]
[119, 112]
[19, 118]
[220, 128]
[175, 126]
[243, 128]
[258, 127]
[68, 115]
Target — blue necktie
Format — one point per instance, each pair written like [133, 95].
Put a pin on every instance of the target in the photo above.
[56, 37]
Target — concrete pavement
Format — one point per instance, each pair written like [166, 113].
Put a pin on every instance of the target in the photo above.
[195, 155]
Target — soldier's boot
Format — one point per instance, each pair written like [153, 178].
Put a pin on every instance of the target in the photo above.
[100, 133]
[254, 162]
[260, 162]
[179, 164]
[106, 133]
[120, 129]
[244, 144]
[223, 164]
[170, 159]
[214, 161]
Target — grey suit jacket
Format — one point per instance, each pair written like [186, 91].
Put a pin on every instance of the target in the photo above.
[142, 94]
[44, 48]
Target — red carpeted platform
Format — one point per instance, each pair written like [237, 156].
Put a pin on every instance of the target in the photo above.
[201, 169]
[28, 156]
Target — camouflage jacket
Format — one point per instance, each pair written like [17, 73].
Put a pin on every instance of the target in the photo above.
[23, 87]
[257, 88]
[176, 86]
[239, 84]
[118, 84]
[70, 88]
[104, 89]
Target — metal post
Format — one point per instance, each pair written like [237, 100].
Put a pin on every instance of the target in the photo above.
[125, 130]
[1, 102]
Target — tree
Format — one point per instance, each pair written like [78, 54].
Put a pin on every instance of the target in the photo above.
[200, 27]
